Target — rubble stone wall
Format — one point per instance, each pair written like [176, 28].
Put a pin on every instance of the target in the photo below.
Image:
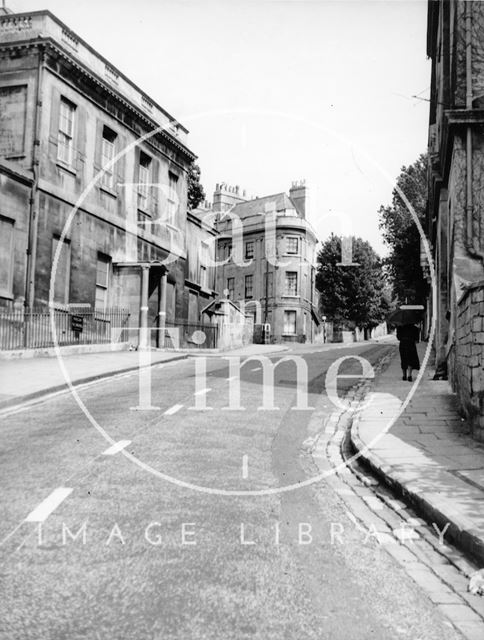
[468, 357]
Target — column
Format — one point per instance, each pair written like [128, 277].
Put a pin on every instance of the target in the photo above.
[143, 324]
[160, 342]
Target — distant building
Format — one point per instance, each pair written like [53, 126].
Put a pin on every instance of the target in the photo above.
[273, 278]
[65, 113]
[455, 43]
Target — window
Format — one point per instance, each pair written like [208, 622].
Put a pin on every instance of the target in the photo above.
[144, 180]
[249, 249]
[203, 277]
[6, 256]
[290, 322]
[291, 283]
[107, 154]
[63, 270]
[144, 221]
[230, 288]
[65, 140]
[292, 245]
[172, 198]
[102, 281]
[203, 265]
[248, 286]
[228, 250]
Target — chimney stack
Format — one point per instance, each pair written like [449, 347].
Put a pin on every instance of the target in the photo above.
[299, 195]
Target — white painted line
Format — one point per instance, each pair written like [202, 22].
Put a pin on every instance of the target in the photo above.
[47, 506]
[202, 391]
[259, 368]
[232, 378]
[116, 447]
[173, 409]
[245, 466]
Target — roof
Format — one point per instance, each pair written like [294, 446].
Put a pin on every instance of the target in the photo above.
[258, 206]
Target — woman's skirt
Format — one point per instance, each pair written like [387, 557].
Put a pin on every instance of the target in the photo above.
[409, 355]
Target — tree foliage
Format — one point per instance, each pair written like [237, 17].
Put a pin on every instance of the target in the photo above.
[196, 193]
[401, 234]
[351, 294]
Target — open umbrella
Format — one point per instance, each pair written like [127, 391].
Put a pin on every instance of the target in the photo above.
[406, 314]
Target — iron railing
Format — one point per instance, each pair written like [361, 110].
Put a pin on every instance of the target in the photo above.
[32, 329]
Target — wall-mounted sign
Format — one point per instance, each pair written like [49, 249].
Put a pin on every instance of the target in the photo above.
[77, 323]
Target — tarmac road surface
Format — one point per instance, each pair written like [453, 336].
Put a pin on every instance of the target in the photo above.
[96, 545]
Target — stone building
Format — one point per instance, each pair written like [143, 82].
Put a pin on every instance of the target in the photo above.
[93, 177]
[455, 44]
[266, 256]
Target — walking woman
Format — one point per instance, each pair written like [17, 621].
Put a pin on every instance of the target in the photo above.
[408, 334]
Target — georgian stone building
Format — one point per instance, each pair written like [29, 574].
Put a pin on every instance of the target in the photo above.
[455, 44]
[267, 266]
[79, 188]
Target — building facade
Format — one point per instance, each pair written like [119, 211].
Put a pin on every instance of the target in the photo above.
[455, 44]
[93, 176]
[266, 254]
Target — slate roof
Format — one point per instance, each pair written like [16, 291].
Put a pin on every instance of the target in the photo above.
[257, 207]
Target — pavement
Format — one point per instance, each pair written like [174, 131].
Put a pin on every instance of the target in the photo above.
[23, 380]
[427, 455]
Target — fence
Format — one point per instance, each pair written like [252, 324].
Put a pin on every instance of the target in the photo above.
[184, 335]
[32, 329]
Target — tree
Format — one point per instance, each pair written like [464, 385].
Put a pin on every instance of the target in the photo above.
[196, 193]
[401, 234]
[352, 294]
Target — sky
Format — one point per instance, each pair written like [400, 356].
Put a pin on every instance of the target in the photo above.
[274, 91]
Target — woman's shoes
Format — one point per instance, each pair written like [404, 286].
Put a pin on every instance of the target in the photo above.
[404, 377]
[409, 378]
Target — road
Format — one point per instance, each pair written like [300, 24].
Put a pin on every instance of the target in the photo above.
[185, 533]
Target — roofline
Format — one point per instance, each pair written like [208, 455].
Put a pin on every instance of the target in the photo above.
[273, 195]
[46, 12]
[157, 128]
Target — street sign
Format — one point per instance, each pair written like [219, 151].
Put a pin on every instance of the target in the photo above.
[77, 323]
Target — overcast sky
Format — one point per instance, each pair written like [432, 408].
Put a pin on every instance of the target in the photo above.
[279, 90]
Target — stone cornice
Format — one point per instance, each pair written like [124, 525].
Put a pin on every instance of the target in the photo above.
[17, 172]
[54, 46]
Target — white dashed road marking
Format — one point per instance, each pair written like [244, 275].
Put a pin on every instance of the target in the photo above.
[116, 447]
[245, 466]
[201, 392]
[47, 506]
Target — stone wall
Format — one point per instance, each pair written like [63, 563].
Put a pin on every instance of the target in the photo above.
[467, 372]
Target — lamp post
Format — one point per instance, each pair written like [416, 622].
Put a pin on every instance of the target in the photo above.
[324, 328]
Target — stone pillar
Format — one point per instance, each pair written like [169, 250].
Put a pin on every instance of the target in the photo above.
[143, 324]
[160, 342]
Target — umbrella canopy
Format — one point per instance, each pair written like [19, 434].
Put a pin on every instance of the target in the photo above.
[406, 314]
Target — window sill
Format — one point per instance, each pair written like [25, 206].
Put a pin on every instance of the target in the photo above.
[67, 168]
[145, 212]
[288, 295]
[289, 335]
[171, 226]
[108, 191]
[6, 295]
